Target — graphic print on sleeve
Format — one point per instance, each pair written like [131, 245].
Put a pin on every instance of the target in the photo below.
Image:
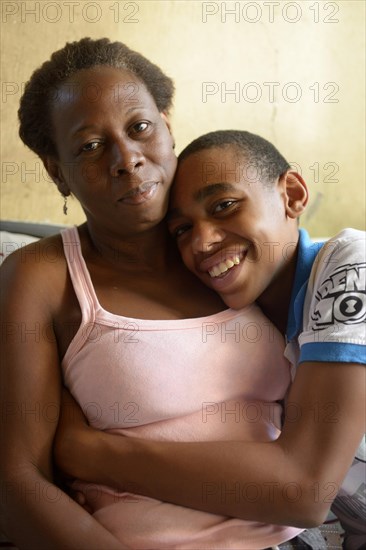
[334, 311]
[341, 298]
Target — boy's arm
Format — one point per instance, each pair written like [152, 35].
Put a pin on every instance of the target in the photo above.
[290, 481]
[34, 512]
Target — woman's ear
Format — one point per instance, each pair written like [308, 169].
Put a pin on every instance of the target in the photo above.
[54, 171]
[165, 117]
[296, 193]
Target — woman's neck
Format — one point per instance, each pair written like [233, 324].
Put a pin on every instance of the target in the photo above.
[150, 250]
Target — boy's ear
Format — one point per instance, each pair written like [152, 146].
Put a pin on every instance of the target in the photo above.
[296, 193]
[54, 171]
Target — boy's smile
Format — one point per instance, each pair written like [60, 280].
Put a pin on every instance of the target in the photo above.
[235, 232]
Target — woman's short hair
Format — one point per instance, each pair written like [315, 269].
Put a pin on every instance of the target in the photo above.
[35, 105]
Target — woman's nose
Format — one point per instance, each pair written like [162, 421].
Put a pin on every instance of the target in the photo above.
[127, 157]
[205, 236]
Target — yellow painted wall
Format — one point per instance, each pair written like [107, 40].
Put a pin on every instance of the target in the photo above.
[296, 71]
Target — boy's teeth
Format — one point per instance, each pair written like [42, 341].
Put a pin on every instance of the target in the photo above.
[222, 267]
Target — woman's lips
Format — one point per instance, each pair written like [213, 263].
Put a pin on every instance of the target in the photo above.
[144, 192]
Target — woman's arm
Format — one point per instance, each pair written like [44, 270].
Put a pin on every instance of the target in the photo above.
[291, 481]
[34, 512]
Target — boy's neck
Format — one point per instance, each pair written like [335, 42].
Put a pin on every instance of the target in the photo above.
[275, 300]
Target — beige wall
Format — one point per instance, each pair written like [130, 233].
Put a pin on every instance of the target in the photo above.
[297, 70]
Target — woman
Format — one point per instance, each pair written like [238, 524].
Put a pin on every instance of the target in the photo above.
[142, 344]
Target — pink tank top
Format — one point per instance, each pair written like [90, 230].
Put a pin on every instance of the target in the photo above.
[218, 377]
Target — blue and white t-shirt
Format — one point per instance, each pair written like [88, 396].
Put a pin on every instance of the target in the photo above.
[327, 322]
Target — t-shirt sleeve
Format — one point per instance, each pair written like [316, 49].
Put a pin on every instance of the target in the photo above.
[334, 314]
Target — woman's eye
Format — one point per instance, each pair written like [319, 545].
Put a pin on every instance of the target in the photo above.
[140, 127]
[223, 205]
[91, 146]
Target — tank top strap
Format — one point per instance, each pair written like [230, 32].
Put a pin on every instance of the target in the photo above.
[79, 274]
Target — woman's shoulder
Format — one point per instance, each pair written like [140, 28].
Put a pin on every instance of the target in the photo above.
[36, 255]
[38, 268]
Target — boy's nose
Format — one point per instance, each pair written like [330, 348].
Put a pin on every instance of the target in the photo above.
[205, 236]
[126, 157]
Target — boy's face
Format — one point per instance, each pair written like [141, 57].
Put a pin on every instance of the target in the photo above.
[232, 231]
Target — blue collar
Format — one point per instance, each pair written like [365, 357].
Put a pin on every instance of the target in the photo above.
[306, 254]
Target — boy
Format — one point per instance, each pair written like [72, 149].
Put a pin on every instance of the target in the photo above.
[234, 213]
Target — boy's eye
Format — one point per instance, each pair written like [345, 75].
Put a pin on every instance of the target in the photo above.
[180, 230]
[223, 205]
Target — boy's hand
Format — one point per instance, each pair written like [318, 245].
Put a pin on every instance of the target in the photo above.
[73, 438]
[87, 454]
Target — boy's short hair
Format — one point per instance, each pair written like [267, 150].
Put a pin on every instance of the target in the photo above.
[35, 105]
[267, 161]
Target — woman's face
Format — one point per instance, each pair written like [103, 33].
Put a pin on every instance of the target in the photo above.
[115, 149]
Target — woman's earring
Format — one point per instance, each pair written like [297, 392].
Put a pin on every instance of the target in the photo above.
[65, 205]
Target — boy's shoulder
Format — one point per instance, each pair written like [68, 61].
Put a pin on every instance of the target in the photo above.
[319, 256]
[328, 305]
[343, 254]
[347, 237]
[334, 306]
